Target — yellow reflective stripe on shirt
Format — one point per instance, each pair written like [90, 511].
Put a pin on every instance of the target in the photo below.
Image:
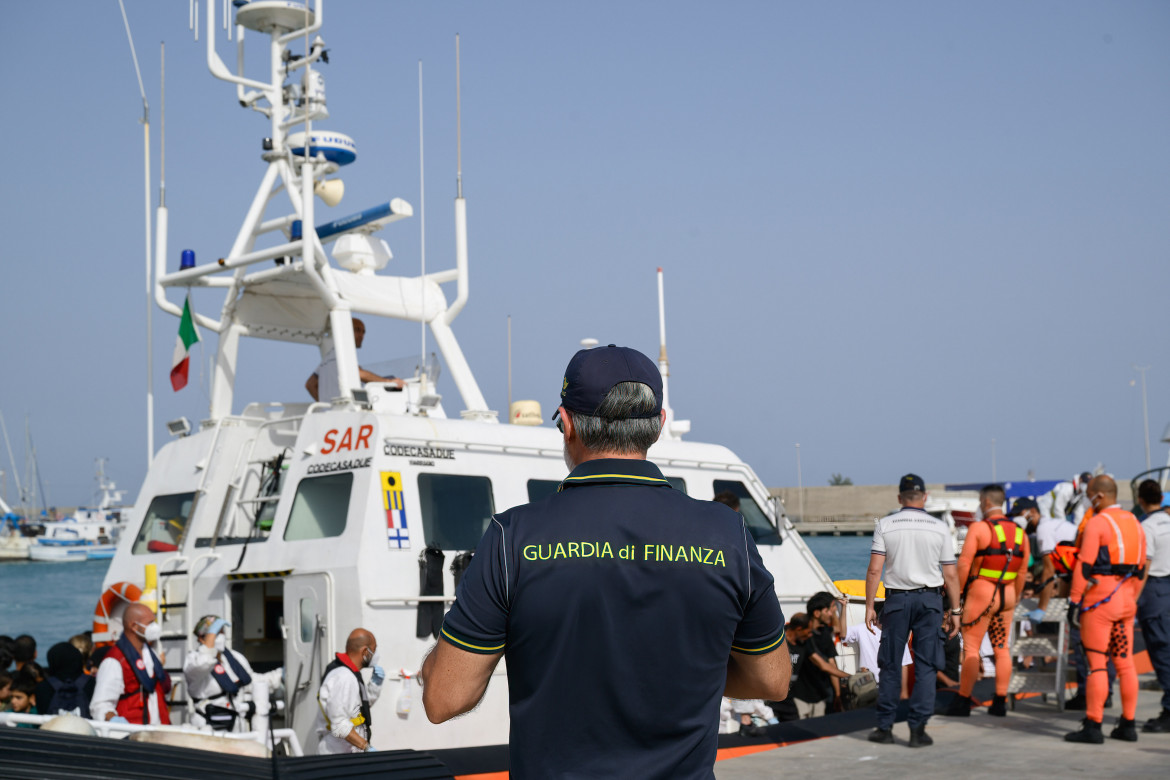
[763, 649]
[358, 721]
[480, 648]
[1007, 576]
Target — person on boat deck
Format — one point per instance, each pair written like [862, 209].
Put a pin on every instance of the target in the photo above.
[1067, 500]
[131, 682]
[343, 714]
[660, 607]
[24, 696]
[322, 384]
[219, 680]
[5, 688]
[67, 688]
[24, 650]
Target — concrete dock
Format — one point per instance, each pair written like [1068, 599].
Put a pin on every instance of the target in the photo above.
[1027, 743]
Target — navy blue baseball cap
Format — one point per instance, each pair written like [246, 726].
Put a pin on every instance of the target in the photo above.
[911, 482]
[1023, 504]
[594, 372]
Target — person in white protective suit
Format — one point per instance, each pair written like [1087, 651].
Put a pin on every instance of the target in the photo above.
[1067, 500]
[343, 718]
[220, 681]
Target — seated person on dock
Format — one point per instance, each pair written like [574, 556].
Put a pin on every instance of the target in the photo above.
[806, 698]
[323, 382]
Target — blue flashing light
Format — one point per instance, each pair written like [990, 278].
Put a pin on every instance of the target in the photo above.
[187, 259]
[295, 232]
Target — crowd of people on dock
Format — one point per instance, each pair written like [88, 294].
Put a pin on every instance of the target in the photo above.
[1077, 543]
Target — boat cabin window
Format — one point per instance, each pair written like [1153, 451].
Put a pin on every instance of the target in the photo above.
[319, 507]
[757, 522]
[456, 509]
[678, 483]
[541, 488]
[165, 524]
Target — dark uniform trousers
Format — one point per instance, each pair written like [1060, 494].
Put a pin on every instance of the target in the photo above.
[921, 612]
[1154, 618]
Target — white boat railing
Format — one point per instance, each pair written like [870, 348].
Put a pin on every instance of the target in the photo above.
[112, 730]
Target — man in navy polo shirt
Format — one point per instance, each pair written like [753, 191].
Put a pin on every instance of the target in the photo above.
[625, 608]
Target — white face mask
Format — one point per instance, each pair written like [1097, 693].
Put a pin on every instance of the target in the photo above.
[220, 643]
[375, 659]
[151, 633]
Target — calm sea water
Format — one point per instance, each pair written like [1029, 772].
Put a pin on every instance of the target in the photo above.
[49, 601]
[844, 557]
[54, 601]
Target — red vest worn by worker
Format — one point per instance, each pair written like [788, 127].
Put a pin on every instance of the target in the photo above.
[1003, 559]
[132, 703]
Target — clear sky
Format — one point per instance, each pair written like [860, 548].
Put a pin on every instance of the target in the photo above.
[892, 232]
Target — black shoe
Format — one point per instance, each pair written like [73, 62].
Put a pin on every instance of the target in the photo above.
[998, 707]
[751, 730]
[919, 737]
[1090, 733]
[1109, 701]
[1076, 703]
[960, 707]
[1126, 730]
[1158, 725]
[882, 736]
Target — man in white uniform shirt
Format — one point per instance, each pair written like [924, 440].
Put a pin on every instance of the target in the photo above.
[1154, 604]
[918, 557]
[322, 383]
[1049, 532]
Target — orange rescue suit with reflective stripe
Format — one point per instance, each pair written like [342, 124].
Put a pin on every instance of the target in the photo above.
[1113, 545]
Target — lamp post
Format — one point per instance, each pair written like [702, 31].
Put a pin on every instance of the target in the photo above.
[1145, 412]
[799, 483]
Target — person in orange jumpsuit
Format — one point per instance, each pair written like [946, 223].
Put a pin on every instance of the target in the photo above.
[992, 566]
[1105, 588]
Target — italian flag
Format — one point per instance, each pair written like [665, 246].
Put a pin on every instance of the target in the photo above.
[187, 337]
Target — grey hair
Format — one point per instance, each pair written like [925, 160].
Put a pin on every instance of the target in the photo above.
[618, 425]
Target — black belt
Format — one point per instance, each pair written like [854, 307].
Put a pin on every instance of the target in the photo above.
[938, 590]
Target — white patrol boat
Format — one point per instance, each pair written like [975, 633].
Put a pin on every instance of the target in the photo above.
[301, 521]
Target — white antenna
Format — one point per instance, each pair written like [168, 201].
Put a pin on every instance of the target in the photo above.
[149, 304]
[422, 227]
[663, 362]
[509, 364]
[458, 128]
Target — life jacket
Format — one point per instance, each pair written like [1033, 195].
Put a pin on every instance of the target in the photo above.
[1064, 557]
[1003, 559]
[1126, 552]
[226, 683]
[137, 685]
[363, 718]
[68, 696]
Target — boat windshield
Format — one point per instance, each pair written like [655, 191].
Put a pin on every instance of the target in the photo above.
[165, 524]
[757, 522]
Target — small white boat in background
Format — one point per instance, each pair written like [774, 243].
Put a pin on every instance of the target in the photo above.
[88, 534]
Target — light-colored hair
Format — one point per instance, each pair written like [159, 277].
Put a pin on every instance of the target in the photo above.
[619, 424]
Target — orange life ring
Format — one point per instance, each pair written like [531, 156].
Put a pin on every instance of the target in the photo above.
[114, 600]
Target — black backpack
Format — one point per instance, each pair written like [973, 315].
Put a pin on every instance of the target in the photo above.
[68, 695]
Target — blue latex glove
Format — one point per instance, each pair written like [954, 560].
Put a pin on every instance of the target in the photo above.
[1036, 616]
[379, 676]
[118, 719]
[370, 749]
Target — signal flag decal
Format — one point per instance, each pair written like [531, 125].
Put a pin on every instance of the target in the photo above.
[393, 502]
